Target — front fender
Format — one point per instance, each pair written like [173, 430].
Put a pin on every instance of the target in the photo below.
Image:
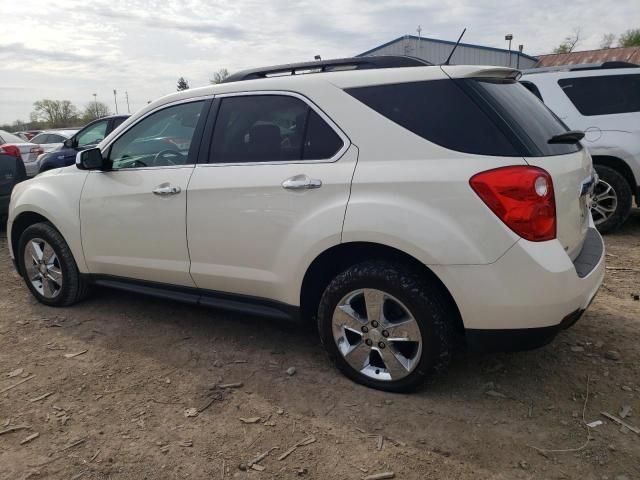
[56, 197]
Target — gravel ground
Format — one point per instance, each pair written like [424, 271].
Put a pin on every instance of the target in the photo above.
[128, 387]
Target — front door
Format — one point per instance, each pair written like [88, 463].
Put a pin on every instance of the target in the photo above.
[133, 216]
[273, 192]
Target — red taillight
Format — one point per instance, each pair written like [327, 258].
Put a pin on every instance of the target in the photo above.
[10, 150]
[522, 197]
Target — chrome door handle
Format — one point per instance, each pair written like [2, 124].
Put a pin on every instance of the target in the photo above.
[301, 182]
[165, 189]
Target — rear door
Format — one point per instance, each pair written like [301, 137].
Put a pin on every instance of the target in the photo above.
[274, 190]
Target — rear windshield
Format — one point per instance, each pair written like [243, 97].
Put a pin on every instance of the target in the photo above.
[603, 95]
[483, 117]
[6, 137]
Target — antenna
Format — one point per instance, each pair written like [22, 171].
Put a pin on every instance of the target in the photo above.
[454, 48]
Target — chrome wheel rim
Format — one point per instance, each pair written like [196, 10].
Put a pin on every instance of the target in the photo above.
[377, 334]
[604, 202]
[43, 268]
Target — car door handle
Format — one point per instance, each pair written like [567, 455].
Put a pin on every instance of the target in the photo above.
[165, 189]
[301, 182]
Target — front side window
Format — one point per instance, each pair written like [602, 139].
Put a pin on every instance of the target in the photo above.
[603, 95]
[270, 128]
[54, 138]
[159, 140]
[93, 134]
[40, 139]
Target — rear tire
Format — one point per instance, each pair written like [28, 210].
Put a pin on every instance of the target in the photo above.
[612, 200]
[414, 311]
[48, 267]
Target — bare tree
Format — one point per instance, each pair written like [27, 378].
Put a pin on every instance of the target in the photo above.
[607, 40]
[569, 43]
[220, 76]
[55, 113]
[182, 84]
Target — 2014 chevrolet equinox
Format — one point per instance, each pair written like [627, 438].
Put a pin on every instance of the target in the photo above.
[397, 207]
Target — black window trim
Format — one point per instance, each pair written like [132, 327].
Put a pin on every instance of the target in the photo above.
[205, 147]
[197, 134]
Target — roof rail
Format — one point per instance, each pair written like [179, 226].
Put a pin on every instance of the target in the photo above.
[335, 65]
[581, 66]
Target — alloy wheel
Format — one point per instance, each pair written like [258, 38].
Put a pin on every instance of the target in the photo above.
[377, 334]
[43, 268]
[604, 202]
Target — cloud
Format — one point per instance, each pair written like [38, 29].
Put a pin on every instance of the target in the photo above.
[73, 48]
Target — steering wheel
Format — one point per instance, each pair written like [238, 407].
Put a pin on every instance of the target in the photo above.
[162, 158]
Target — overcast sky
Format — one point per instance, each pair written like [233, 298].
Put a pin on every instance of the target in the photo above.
[70, 49]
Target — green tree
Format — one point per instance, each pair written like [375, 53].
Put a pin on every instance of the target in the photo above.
[182, 84]
[569, 43]
[630, 38]
[55, 113]
[95, 110]
[220, 76]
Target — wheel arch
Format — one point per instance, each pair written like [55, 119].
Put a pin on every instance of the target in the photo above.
[621, 167]
[23, 221]
[339, 257]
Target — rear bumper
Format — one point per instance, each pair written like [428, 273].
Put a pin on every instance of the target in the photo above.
[31, 168]
[526, 297]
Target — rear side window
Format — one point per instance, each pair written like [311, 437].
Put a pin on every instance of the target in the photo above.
[270, 128]
[480, 116]
[531, 121]
[438, 111]
[603, 95]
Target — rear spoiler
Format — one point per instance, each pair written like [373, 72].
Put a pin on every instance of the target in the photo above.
[472, 71]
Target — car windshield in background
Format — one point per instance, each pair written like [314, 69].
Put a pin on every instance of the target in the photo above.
[6, 137]
[603, 95]
[532, 121]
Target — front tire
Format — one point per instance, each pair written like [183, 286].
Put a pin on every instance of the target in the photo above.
[385, 326]
[48, 267]
[612, 200]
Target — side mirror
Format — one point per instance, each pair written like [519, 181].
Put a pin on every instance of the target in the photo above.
[68, 143]
[90, 159]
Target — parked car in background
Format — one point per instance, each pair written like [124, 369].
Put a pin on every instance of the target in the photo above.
[90, 135]
[27, 135]
[397, 208]
[28, 151]
[602, 100]
[51, 140]
[12, 172]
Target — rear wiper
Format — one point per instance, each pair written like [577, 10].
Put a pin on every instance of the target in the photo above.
[572, 136]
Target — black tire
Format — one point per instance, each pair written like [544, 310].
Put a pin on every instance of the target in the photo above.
[423, 298]
[74, 287]
[624, 196]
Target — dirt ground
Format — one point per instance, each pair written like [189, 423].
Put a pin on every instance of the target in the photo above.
[122, 372]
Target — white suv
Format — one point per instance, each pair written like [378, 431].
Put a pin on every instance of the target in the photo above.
[602, 100]
[398, 207]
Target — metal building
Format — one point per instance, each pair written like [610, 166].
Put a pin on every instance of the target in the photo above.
[436, 51]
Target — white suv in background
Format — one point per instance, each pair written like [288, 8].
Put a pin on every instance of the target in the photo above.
[602, 100]
[399, 208]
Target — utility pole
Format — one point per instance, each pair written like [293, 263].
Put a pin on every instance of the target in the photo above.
[95, 102]
[509, 37]
[115, 99]
[126, 95]
[419, 30]
[520, 48]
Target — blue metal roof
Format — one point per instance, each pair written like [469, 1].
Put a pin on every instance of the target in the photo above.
[446, 42]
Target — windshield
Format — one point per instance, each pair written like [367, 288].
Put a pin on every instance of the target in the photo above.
[6, 137]
[530, 119]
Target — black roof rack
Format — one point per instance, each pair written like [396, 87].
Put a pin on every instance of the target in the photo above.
[335, 65]
[582, 66]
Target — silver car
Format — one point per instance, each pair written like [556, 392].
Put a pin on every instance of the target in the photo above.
[28, 151]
